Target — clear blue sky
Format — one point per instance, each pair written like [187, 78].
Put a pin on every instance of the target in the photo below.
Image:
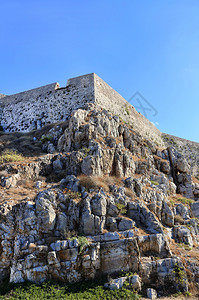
[146, 46]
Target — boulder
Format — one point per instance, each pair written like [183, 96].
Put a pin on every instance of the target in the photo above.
[182, 235]
[135, 282]
[151, 293]
[116, 284]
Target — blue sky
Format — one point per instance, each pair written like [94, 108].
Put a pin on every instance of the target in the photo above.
[146, 46]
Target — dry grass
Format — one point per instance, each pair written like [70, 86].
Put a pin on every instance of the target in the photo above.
[24, 191]
[10, 156]
[129, 193]
[178, 220]
[95, 182]
[23, 142]
[195, 180]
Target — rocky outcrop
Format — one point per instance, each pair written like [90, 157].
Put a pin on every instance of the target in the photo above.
[107, 206]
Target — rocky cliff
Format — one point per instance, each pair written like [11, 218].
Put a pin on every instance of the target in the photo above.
[104, 200]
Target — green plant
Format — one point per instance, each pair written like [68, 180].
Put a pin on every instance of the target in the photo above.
[154, 182]
[82, 242]
[188, 294]
[46, 138]
[177, 294]
[179, 274]
[86, 151]
[72, 195]
[172, 202]
[122, 208]
[186, 201]
[10, 156]
[127, 110]
[87, 289]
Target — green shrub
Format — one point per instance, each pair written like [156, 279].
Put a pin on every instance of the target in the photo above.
[179, 274]
[122, 208]
[86, 289]
[154, 182]
[82, 241]
[46, 138]
[10, 156]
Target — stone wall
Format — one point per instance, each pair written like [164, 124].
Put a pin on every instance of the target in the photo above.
[114, 102]
[50, 104]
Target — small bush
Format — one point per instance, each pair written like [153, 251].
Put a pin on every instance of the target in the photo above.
[46, 138]
[72, 195]
[122, 208]
[82, 241]
[10, 156]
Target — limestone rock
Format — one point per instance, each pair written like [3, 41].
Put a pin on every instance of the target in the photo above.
[151, 293]
[135, 282]
[182, 235]
[116, 284]
[45, 210]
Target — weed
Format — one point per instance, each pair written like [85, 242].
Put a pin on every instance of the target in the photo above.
[122, 208]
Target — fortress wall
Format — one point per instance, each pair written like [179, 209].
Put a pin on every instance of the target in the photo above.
[30, 94]
[35, 108]
[115, 103]
[50, 104]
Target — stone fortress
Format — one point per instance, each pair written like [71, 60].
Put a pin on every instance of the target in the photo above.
[107, 180]
[38, 107]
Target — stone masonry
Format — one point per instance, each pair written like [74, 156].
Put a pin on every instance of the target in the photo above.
[38, 107]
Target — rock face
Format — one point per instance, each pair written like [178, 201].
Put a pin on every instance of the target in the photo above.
[187, 148]
[108, 205]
